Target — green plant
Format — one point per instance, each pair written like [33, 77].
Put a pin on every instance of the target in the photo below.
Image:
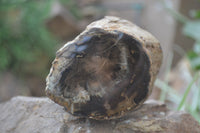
[191, 28]
[24, 38]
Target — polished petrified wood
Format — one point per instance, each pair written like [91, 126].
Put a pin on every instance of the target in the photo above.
[108, 70]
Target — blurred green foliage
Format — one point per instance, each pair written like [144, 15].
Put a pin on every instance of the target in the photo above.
[191, 28]
[23, 36]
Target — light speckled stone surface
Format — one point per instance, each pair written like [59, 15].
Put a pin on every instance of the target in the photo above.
[41, 115]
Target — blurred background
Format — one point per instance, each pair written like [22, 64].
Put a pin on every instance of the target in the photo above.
[31, 31]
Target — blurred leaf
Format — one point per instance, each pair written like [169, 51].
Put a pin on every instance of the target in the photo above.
[195, 14]
[191, 54]
[194, 59]
[195, 63]
[183, 100]
[196, 96]
[192, 29]
[196, 48]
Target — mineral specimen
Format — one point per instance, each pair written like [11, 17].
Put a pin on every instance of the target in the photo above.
[106, 71]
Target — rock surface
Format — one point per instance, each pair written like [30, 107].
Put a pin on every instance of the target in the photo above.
[41, 115]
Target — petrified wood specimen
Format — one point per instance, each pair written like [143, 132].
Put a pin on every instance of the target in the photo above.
[106, 71]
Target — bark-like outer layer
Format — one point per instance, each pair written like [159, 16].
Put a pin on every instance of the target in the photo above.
[149, 43]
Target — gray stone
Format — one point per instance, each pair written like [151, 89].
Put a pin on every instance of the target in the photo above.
[41, 115]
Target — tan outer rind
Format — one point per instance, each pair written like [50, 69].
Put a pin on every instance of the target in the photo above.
[109, 23]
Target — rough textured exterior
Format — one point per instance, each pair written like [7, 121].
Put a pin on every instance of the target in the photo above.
[106, 71]
[41, 115]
